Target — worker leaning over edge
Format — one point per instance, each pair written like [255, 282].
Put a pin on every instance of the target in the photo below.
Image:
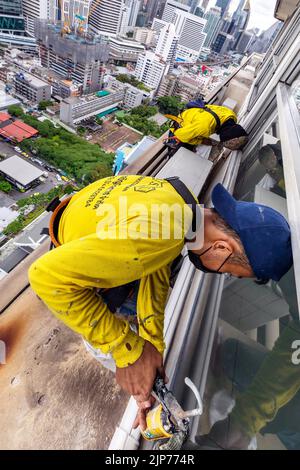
[244, 239]
[199, 121]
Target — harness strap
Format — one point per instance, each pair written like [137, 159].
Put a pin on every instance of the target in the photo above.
[190, 200]
[55, 218]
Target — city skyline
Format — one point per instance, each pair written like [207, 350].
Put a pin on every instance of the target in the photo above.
[262, 12]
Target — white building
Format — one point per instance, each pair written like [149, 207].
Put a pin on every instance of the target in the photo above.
[189, 29]
[134, 8]
[170, 8]
[150, 69]
[144, 36]
[33, 9]
[108, 16]
[75, 110]
[167, 40]
[121, 49]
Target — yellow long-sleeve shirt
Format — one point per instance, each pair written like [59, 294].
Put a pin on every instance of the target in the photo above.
[96, 252]
[196, 123]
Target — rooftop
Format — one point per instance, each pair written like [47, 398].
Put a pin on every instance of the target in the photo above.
[22, 172]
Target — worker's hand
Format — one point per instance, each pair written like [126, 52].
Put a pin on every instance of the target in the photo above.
[144, 407]
[138, 378]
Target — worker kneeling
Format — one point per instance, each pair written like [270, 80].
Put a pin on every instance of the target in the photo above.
[115, 246]
[199, 121]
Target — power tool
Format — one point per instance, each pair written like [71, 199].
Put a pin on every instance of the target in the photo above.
[168, 422]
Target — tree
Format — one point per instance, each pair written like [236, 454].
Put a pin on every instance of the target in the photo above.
[44, 104]
[170, 105]
[15, 110]
[5, 186]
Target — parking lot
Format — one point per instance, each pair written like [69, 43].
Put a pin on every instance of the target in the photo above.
[7, 150]
[112, 136]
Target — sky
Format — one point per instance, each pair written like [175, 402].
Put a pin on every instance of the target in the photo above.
[262, 12]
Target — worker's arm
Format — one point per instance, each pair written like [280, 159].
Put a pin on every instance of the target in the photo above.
[152, 298]
[66, 280]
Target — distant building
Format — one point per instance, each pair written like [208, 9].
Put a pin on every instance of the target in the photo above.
[262, 43]
[167, 40]
[189, 29]
[12, 26]
[244, 43]
[213, 18]
[124, 50]
[31, 88]
[150, 69]
[73, 57]
[107, 16]
[75, 110]
[33, 10]
[144, 35]
[224, 5]
[19, 172]
[223, 43]
[128, 154]
[169, 10]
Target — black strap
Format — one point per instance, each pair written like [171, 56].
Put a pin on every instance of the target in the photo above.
[189, 199]
[53, 204]
[217, 119]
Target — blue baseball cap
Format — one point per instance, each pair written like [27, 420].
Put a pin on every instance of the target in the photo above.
[264, 233]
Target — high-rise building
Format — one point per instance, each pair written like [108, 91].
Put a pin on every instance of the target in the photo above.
[169, 10]
[150, 69]
[224, 5]
[223, 43]
[204, 4]
[75, 11]
[133, 13]
[33, 10]
[10, 7]
[244, 43]
[167, 42]
[71, 57]
[107, 16]
[213, 18]
[262, 43]
[11, 19]
[189, 29]
[12, 26]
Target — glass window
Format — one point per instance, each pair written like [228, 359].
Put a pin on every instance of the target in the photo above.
[253, 388]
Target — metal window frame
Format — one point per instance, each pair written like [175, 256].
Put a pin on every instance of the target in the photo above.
[289, 126]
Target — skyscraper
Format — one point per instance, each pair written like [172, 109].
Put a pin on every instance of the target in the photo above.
[224, 5]
[213, 18]
[11, 19]
[32, 10]
[10, 7]
[170, 8]
[106, 17]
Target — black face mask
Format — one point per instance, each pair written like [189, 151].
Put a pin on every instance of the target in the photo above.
[196, 260]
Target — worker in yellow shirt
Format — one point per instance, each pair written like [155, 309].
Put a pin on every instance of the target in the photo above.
[199, 121]
[120, 235]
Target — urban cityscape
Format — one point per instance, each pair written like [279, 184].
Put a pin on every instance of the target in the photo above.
[89, 89]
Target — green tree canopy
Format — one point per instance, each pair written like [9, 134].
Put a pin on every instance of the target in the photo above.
[170, 105]
[15, 110]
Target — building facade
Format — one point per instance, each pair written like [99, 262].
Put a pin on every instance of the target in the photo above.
[75, 110]
[31, 88]
[150, 69]
[107, 17]
[213, 18]
[72, 57]
[124, 50]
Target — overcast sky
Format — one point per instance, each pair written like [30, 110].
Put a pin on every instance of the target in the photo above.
[262, 12]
